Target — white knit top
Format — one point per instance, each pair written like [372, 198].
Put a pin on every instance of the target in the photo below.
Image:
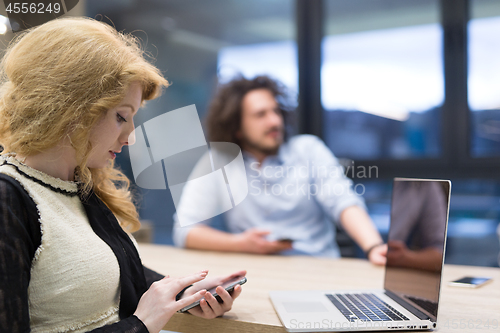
[75, 276]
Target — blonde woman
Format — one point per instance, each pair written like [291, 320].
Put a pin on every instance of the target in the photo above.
[70, 90]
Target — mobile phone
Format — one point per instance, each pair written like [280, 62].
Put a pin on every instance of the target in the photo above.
[470, 282]
[285, 240]
[228, 286]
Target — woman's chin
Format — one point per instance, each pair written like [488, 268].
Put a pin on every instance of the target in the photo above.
[100, 164]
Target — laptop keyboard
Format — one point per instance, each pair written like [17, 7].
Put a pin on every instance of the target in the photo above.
[367, 307]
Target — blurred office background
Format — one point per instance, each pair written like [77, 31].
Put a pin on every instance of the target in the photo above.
[409, 87]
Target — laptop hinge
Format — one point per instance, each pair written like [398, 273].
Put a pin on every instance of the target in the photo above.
[407, 305]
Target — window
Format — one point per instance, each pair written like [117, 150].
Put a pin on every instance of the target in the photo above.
[275, 59]
[484, 78]
[381, 79]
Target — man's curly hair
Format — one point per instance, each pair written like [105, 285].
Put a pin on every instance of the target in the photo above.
[224, 114]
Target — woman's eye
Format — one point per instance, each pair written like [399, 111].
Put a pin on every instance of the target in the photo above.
[120, 118]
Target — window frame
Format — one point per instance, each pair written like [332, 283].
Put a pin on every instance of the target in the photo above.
[456, 160]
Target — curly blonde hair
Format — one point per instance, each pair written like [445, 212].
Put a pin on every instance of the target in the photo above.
[59, 80]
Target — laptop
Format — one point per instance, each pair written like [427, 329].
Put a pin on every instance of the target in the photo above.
[410, 298]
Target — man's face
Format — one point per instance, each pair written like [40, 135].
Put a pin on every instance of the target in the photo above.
[262, 125]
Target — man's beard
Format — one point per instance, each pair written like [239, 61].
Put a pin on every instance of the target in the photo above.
[264, 150]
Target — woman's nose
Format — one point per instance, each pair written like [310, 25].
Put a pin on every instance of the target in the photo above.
[130, 138]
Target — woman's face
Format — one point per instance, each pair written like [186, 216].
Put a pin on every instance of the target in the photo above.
[112, 132]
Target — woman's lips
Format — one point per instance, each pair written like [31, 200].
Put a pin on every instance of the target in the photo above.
[113, 155]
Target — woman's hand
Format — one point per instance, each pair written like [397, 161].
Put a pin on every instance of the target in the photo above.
[157, 305]
[209, 306]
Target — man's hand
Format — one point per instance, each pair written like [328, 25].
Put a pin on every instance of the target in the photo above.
[378, 255]
[209, 306]
[254, 241]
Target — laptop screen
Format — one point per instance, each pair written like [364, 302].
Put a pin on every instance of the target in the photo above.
[416, 241]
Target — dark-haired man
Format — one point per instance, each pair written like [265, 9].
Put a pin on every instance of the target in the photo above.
[296, 186]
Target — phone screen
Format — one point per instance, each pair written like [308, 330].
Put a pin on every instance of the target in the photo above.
[472, 280]
[228, 286]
